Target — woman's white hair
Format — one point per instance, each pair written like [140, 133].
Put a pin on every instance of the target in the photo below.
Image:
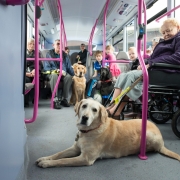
[30, 40]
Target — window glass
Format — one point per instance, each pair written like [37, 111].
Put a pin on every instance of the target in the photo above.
[130, 34]
[119, 46]
[177, 11]
[153, 27]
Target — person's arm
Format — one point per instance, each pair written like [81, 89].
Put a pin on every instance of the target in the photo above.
[49, 65]
[95, 73]
[83, 57]
[171, 58]
[69, 66]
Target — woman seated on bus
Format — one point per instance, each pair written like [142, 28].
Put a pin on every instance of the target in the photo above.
[115, 70]
[166, 51]
[155, 41]
[30, 68]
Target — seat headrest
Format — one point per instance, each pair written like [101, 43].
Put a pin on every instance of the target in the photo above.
[122, 55]
[44, 52]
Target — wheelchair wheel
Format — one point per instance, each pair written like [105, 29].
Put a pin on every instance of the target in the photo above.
[175, 124]
[160, 118]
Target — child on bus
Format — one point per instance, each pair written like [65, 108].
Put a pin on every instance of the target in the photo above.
[97, 64]
[115, 70]
[132, 51]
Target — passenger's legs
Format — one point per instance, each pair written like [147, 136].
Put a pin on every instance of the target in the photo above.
[52, 81]
[67, 83]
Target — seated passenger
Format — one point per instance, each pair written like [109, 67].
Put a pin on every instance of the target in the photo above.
[115, 70]
[133, 57]
[166, 51]
[54, 65]
[67, 52]
[30, 67]
[82, 55]
[155, 41]
[97, 65]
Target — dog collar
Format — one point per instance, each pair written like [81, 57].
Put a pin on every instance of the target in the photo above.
[86, 131]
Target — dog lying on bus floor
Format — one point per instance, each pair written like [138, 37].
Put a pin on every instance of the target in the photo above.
[102, 137]
[79, 83]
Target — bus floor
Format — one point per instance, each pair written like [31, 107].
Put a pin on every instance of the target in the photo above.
[55, 130]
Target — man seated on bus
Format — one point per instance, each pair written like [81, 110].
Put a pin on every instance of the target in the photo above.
[68, 72]
[82, 55]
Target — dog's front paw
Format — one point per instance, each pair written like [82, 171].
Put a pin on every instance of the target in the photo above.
[44, 164]
[43, 159]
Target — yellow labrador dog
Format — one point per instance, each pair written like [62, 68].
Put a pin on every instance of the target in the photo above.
[103, 137]
[79, 83]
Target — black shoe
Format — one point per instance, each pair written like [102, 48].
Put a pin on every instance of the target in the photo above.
[65, 103]
[57, 104]
[26, 104]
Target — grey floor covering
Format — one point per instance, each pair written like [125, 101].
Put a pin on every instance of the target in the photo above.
[55, 130]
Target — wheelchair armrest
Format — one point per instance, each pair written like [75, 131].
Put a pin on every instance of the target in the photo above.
[164, 66]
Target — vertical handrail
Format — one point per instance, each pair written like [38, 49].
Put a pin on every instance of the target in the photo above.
[145, 31]
[64, 37]
[91, 38]
[61, 55]
[36, 98]
[167, 13]
[142, 154]
[104, 32]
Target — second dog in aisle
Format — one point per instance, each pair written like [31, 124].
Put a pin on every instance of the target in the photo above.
[79, 84]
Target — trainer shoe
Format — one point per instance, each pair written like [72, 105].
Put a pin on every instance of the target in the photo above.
[57, 104]
[65, 103]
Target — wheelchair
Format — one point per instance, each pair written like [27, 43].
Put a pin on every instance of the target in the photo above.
[164, 97]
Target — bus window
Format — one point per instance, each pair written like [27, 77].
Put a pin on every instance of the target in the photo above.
[118, 42]
[153, 27]
[130, 34]
[177, 12]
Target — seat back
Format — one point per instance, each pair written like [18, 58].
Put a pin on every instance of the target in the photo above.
[124, 67]
[161, 74]
[90, 65]
[73, 57]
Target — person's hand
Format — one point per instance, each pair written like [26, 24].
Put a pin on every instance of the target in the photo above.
[139, 68]
[33, 73]
[77, 56]
[28, 74]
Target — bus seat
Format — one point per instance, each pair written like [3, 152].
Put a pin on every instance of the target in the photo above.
[90, 65]
[124, 67]
[73, 57]
[158, 77]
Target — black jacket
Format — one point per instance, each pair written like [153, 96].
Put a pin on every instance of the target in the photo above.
[83, 56]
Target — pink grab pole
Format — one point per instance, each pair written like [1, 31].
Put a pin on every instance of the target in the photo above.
[104, 32]
[142, 154]
[59, 59]
[145, 31]
[167, 13]
[36, 98]
[91, 38]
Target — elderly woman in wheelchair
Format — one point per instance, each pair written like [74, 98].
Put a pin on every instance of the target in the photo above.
[166, 53]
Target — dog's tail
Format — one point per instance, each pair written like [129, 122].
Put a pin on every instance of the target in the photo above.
[169, 153]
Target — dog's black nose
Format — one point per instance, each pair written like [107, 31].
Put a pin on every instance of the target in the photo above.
[84, 120]
[80, 73]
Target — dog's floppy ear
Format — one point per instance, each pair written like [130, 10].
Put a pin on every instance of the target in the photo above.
[84, 70]
[103, 114]
[77, 107]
